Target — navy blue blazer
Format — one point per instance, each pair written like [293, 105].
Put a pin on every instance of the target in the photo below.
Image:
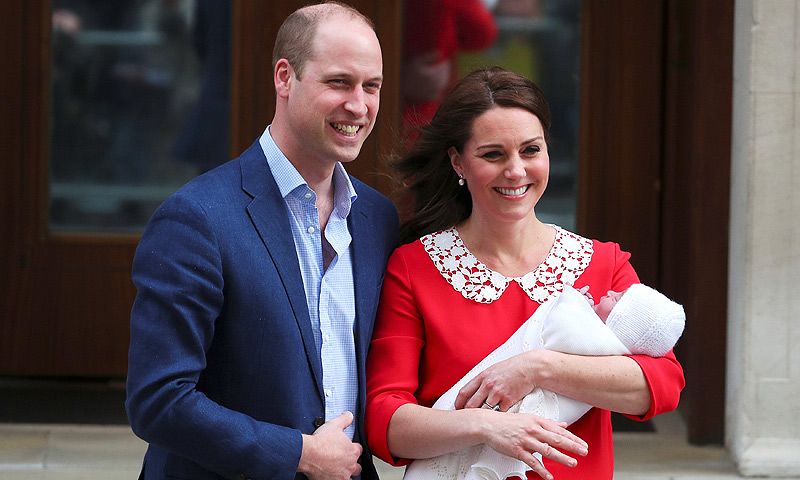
[223, 372]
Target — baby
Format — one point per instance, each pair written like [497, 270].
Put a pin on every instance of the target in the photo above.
[644, 319]
[639, 320]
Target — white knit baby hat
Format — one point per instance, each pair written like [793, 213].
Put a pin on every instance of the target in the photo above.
[646, 321]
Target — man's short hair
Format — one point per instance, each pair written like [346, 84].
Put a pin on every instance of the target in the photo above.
[295, 39]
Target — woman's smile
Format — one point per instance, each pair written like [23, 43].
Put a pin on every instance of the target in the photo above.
[505, 164]
[512, 191]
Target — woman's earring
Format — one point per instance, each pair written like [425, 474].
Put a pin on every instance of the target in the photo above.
[461, 181]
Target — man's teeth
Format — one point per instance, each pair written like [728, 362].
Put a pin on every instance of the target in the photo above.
[346, 129]
[513, 191]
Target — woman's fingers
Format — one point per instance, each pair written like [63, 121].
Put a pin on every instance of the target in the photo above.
[520, 435]
[554, 453]
[481, 399]
[475, 393]
[467, 392]
[564, 439]
[535, 462]
[504, 383]
[533, 458]
[482, 390]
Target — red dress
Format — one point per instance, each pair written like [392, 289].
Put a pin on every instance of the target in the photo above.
[442, 311]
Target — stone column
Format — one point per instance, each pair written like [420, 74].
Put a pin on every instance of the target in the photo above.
[763, 373]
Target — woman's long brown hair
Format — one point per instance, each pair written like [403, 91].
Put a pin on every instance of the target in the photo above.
[437, 201]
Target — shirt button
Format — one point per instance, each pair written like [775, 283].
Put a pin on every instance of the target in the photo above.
[326, 338]
[328, 393]
[310, 230]
[307, 195]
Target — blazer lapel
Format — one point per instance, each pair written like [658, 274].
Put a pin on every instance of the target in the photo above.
[270, 218]
[367, 273]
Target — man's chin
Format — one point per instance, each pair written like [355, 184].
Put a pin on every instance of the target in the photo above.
[347, 155]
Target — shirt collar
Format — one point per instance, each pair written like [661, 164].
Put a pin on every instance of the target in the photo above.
[289, 179]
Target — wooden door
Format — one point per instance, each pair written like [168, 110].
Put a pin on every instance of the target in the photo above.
[65, 297]
[66, 294]
[655, 167]
[654, 141]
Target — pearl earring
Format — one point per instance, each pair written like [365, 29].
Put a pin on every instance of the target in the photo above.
[461, 181]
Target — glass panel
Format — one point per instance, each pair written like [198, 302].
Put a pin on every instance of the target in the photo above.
[139, 104]
[537, 38]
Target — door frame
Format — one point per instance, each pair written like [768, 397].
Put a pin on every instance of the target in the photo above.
[654, 175]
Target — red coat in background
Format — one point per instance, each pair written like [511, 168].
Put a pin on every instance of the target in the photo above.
[435, 31]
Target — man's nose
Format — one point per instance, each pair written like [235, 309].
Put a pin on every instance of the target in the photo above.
[355, 103]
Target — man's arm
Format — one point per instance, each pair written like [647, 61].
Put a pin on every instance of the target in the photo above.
[178, 275]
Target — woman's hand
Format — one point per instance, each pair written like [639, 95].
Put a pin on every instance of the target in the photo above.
[503, 384]
[521, 436]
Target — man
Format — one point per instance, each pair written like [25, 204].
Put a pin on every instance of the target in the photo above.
[257, 283]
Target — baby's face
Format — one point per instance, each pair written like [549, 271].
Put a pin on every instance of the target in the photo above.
[607, 303]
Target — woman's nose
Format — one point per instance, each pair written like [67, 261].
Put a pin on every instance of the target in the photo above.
[515, 167]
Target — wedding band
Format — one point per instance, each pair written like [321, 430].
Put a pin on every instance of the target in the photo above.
[496, 408]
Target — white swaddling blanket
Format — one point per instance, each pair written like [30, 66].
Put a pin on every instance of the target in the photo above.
[566, 323]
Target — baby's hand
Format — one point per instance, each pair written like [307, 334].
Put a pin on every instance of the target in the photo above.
[585, 292]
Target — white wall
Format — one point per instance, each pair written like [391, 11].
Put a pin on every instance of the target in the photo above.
[763, 397]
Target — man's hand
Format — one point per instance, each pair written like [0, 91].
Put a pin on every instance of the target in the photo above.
[329, 453]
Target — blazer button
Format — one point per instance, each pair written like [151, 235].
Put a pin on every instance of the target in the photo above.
[318, 422]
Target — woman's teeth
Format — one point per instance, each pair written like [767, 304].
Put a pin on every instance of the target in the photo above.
[512, 191]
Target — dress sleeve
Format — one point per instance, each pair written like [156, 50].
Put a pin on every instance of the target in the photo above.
[665, 380]
[623, 273]
[394, 357]
[664, 375]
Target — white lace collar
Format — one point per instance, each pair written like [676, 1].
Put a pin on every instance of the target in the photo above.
[566, 261]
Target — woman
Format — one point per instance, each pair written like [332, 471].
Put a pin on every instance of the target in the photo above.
[478, 265]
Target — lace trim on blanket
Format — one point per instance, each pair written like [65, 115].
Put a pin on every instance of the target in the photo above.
[566, 261]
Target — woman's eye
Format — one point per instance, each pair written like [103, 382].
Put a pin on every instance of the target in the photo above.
[531, 150]
[491, 155]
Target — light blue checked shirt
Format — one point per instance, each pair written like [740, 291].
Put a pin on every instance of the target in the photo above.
[329, 293]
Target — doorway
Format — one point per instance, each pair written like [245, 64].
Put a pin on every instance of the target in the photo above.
[652, 135]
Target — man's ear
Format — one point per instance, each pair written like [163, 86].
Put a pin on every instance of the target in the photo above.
[283, 77]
